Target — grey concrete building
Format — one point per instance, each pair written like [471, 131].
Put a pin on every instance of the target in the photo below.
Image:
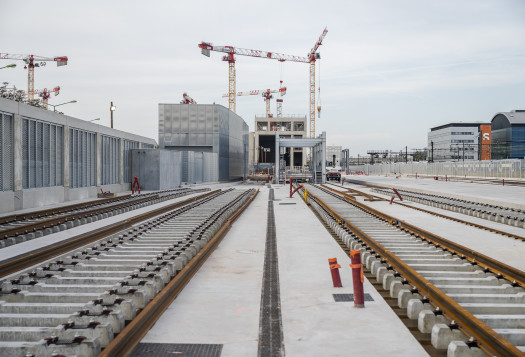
[262, 142]
[48, 158]
[206, 128]
[333, 155]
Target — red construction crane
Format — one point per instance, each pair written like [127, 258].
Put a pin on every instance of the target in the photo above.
[280, 101]
[45, 94]
[32, 62]
[186, 99]
[311, 57]
[265, 93]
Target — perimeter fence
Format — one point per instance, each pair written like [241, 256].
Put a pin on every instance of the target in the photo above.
[511, 168]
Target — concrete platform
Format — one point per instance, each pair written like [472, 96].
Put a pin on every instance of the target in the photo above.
[508, 250]
[221, 305]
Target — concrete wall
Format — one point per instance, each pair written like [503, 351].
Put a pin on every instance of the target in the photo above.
[157, 169]
[20, 198]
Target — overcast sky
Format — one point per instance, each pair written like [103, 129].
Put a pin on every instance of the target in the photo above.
[390, 70]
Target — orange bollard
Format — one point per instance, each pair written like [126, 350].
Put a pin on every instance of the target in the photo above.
[358, 278]
[334, 269]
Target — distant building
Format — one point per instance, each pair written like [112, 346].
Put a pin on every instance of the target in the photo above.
[333, 155]
[508, 135]
[459, 141]
[262, 140]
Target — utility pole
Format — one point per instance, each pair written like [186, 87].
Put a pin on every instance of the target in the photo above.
[432, 151]
[112, 109]
[406, 154]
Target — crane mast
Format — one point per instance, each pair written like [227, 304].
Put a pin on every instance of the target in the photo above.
[32, 62]
[313, 55]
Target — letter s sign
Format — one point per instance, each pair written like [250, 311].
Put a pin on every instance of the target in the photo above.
[486, 136]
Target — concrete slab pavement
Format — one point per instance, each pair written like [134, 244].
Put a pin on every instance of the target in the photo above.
[314, 324]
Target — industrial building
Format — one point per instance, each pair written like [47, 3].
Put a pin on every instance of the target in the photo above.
[48, 158]
[508, 135]
[207, 133]
[459, 141]
[262, 140]
[333, 155]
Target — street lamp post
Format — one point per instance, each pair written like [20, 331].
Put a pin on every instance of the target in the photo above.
[54, 106]
[12, 65]
[112, 109]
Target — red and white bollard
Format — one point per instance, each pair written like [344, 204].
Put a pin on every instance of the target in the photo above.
[334, 269]
[358, 278]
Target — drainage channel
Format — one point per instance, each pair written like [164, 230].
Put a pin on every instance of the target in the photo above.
[270, 322]
[78, 303]
[464, 307]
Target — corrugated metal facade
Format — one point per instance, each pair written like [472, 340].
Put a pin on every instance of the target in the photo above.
[6, 152]
[82, 158]
[206, 128]
[110, 157]
[42, 153]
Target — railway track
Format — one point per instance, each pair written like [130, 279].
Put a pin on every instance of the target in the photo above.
[467, 302]
[501, 214]
[351, 193]
[22, 227]
[99, 299]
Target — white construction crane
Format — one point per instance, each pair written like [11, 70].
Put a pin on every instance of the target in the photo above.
[230, 51]
[45, 94]
[32, 61]
[265, 93]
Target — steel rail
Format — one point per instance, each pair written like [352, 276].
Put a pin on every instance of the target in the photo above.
[499, 268]
[488, 340]
[50, 222]
[133, 333]
[458, 220]
[61, 209]
[23, 261]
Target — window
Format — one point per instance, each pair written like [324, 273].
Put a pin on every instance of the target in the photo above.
[298, 126]
[462, 133]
